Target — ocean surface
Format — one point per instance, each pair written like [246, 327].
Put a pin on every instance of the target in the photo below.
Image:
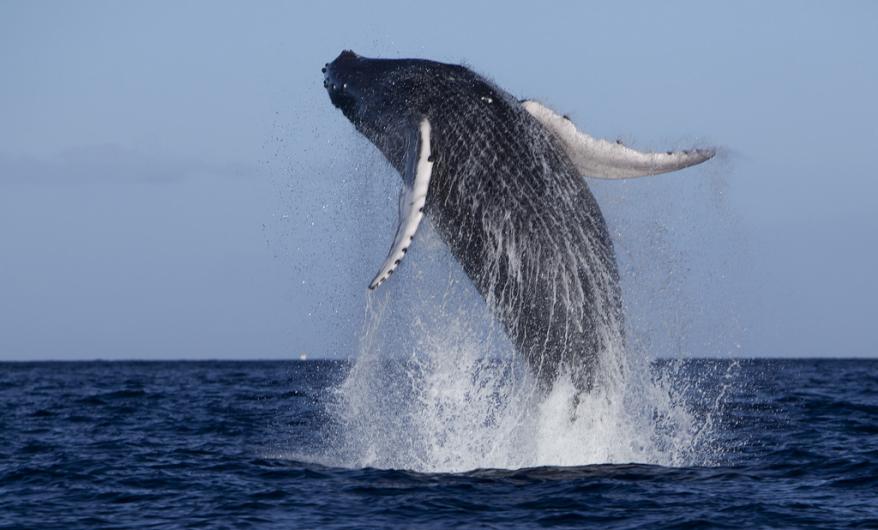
[790, 443]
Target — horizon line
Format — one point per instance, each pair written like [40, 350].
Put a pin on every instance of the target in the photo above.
[345, 359]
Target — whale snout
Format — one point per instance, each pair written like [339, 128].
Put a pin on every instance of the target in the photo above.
[336, 76]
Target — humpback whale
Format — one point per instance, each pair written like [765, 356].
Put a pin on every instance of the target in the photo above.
[501, 180]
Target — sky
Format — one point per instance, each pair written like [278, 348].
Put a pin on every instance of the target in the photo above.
[175, 184]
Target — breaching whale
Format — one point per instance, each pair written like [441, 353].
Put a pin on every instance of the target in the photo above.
[502, 182]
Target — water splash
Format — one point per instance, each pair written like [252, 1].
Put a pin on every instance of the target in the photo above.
[437, 387]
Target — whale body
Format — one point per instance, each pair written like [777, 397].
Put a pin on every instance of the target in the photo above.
[502, 182]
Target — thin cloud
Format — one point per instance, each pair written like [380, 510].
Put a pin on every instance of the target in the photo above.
[111, 163]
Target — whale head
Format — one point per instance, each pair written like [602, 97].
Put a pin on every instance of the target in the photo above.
[373, 93]
[385, 99]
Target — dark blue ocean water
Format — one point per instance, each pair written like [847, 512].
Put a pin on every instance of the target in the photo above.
[209, 445]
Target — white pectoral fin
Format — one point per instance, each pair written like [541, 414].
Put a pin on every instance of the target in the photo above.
[598, 158]
[419, 168]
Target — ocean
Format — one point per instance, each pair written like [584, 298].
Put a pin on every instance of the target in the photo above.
[762, 443]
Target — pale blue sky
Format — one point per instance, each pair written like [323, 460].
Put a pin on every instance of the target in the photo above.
[175, 184]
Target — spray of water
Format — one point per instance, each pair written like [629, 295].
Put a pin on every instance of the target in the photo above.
[436, 386]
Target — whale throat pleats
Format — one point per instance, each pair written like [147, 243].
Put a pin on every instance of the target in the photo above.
[594, 157]
[416, 181]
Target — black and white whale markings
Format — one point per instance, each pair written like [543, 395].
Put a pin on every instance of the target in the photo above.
[502, 182]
